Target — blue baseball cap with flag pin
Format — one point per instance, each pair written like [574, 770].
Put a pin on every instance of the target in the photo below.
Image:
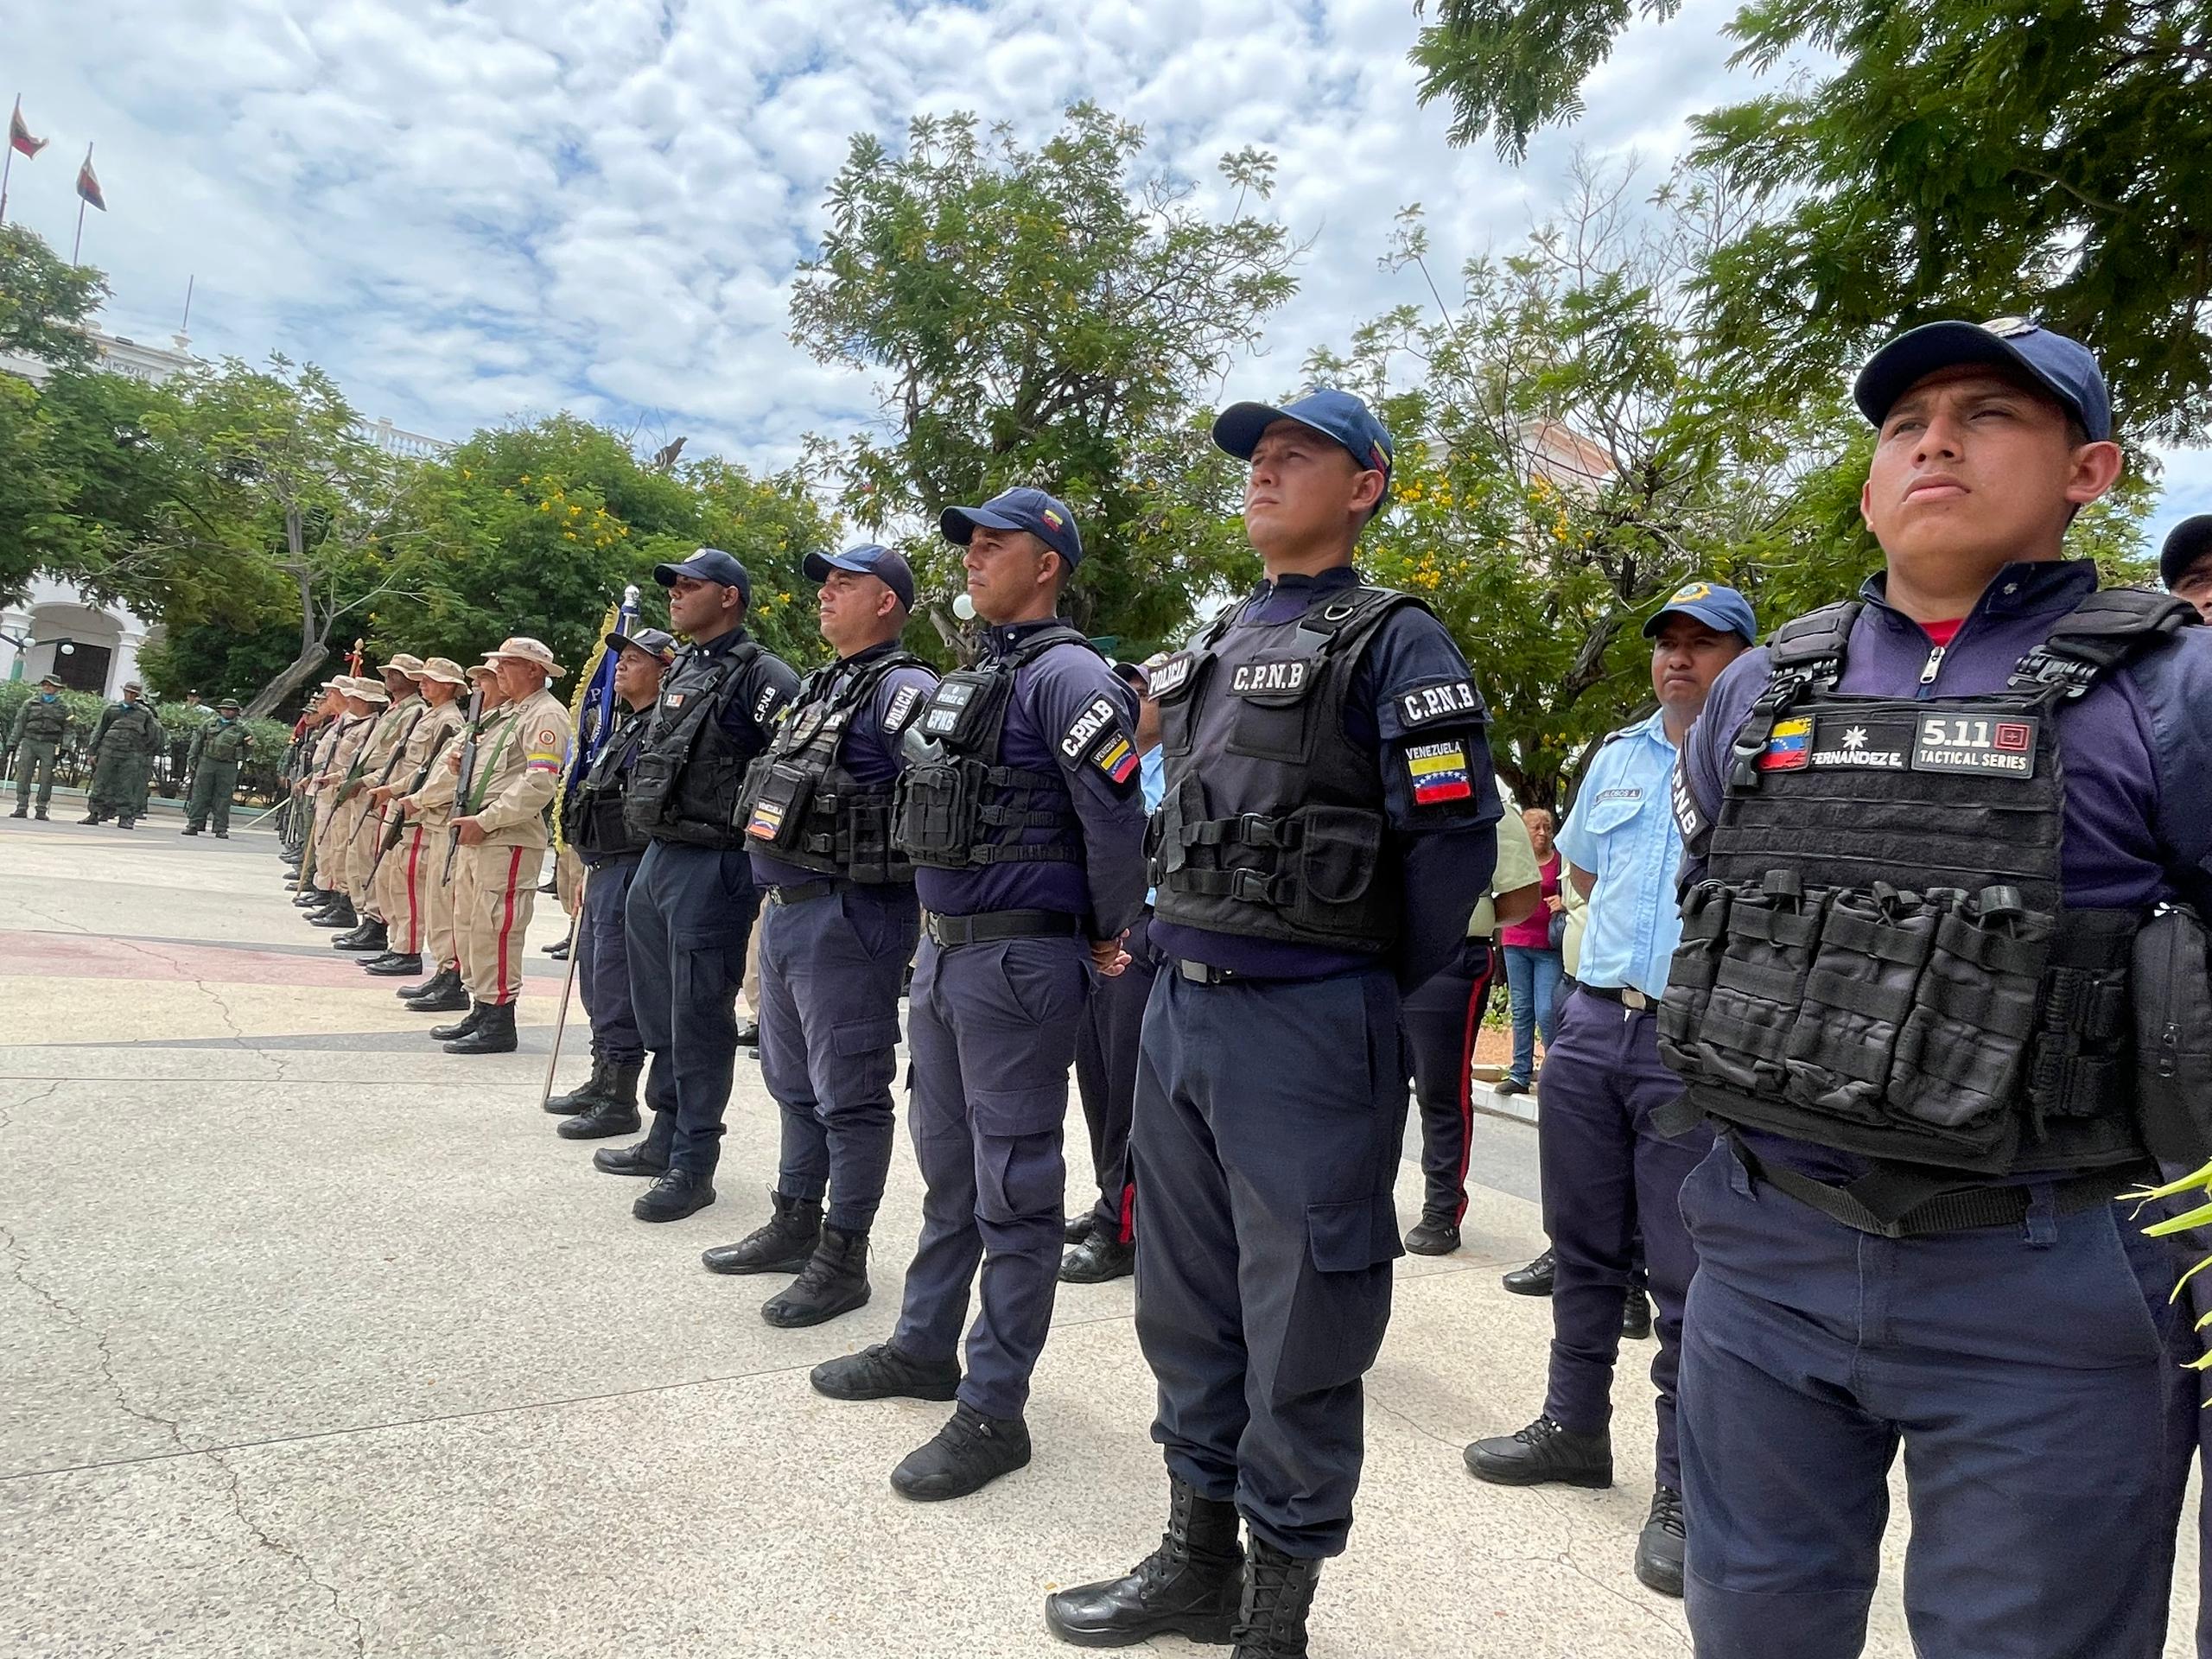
[1044, 517]
[886, 566]
[1338, 415]
[1711, 603]
[2065, 368]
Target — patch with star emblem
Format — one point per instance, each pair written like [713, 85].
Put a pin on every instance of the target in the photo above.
[1855, 744]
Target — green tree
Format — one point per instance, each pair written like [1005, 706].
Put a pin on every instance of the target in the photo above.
[46, 302]
[1940, 158]
[1037, 316]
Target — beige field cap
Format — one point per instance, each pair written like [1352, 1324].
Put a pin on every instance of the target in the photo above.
[443, 670]
[522, 649]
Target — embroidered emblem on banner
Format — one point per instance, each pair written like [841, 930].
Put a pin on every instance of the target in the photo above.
[1439, 772]
[1789, 746]
[1963, 743]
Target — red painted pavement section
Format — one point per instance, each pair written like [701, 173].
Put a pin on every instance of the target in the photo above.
[87, 955]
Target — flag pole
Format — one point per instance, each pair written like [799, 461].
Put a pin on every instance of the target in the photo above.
[9, 165]
[77, 247]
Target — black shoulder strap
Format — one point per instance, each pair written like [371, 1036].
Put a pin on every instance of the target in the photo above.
[2103, 632]
[1812, 646]
[1354, 616]
[1042, 641]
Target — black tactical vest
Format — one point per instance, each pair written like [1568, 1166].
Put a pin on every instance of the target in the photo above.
[956, 806]
[593, 818]
[1879, 958]
[1272, 824]
[801, 804]
[689, 778]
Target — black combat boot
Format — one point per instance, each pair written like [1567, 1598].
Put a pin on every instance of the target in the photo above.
[461, 1028]
[309, 898]
[1636, 1312]
[1099, 1258]
[21, 812]
[1660, 1548]
[40, 816]
[783, 1243]
[90, 817]
[1543, 1455]
[371, 935]
[1278, 1594]
[676, 1194]
[885, 1371]
[452, 999]
[338, 913]
[1190, 1586]
[188, 829]
[436, 985]
[641, 1158]
[494, 1032]
[615, 1111]
[966, 1455]
[394, 964]
[584, 1096]
[833, 1282]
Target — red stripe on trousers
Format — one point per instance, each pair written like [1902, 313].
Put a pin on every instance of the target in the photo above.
[1476, 998]
[414, 914]
[508, 918]
[1129, 1212]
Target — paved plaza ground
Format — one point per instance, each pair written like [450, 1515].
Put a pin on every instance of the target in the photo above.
[314, 1340]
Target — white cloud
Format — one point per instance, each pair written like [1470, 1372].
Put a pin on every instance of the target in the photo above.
[470, 212]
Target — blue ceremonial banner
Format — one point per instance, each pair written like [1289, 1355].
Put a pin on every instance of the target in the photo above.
[593, 708]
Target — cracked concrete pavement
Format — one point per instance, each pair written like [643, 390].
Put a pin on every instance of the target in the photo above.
[314, 1340]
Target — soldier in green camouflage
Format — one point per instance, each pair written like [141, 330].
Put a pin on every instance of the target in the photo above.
[217, 747]
[41, 724]
[125, 744]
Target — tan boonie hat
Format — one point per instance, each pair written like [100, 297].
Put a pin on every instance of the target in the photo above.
[482, 670]
[443, 670]
[401, 662]
[366, 688]
[522, 648]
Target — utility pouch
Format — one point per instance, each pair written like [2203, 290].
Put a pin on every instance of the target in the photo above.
[935, 808]
[1874, 945]
[1773, 927]
[774, 806]
[652, 782]
[1959, 1057]
[963, 705]
[2173, 1035]
[872, 858]
[1336, 855]
[1690, 976]
[2082, 1062]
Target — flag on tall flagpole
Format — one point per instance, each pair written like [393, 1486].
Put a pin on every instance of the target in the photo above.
[593, 711]
[19, 136]
[88, 182]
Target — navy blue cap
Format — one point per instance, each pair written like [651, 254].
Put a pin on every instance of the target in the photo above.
[709, 564]
[888, 566]
[1334, 414]
[2063, 367]
[2186, 543]
[1711, 604]
[1044, 517]
[654, 642]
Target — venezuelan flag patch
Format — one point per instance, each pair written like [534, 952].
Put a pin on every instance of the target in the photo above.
[1789, 746]
[1439, 772]
[1118, 760]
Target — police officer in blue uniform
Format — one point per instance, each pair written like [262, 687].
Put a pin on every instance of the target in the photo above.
[1612, 1174]
[693, 900]
[1927, 832]
[611, 851]
[1019, 809]
[1325, 832]
[836, 937]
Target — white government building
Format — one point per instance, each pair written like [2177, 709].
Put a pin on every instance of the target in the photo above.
[56, 629]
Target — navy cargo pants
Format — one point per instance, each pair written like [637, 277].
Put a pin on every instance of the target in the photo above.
[1268, 1119]
[1106, 1078]
[1610, 1177]
[2190, 1398]
[603, 961]
[830, 971]
[2025, 1370]
[688, 918]
[1443, 1017]
[991, 1032]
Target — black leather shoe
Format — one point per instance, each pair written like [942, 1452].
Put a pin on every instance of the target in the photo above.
[966, 1455]
[1277, 1595]
[1098, 1259]
[394, 964]
[783, 1243]
[310, 900]
[833, 1282]
[1660, 1546]
[584, 1095]
[1636, 1313]
[1508, 1086]
[749, 1034]
[558, 952]
[1543, 1455]
[638, 1160]
[886, 1372]
[1535, 1279]
[676, 1194]
[1191, 1586]
[461, 1028]
[494, 1032]
[436, 985]
[369, 936]
[453, 998]
[1435, 1235]
[1076, 1229]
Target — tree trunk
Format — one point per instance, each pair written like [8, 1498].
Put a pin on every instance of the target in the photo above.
[301, 670]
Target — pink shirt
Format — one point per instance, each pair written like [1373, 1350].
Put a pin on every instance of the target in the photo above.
[1535, 933]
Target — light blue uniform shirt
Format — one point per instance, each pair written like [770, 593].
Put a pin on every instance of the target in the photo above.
[1622, 831]
[1152, 779]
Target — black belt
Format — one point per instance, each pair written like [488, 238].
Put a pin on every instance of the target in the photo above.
[1204, 973]
[1945, 1212]
[988, 926]
[798, 892]
[1628, 996]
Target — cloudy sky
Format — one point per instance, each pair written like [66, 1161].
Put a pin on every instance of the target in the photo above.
[469, 211]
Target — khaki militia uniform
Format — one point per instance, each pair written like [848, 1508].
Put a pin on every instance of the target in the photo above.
[321, 742]
[519, 766]
[364, 824]
[411, 870]
[433, 804]
[344, 765]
